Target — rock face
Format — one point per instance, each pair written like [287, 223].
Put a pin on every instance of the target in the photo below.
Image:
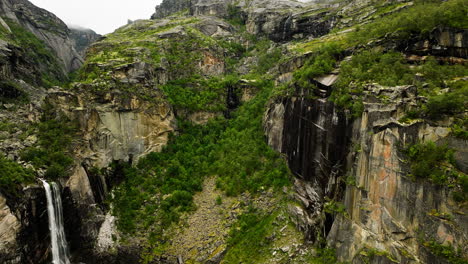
[446, 42]
[45, 26]
[82, 38]
[9, 227]
[279, 20]
[314, 136]
[169, 7]
[387, 210]
[24, 228]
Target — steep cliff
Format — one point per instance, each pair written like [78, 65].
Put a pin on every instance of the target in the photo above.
[46, 27]
[82, 38]
[240, 132]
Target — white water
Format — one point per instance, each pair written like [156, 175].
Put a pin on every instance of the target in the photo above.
[57, 234]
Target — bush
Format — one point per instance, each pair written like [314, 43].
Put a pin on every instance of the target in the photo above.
[323, 62]
[162, 185]
[55, 135]
[450, 103]
[12, 175]
[429, 161]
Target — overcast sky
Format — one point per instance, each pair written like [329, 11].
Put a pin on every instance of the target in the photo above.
[102, 16]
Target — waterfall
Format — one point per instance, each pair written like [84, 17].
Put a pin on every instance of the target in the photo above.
[57, 234]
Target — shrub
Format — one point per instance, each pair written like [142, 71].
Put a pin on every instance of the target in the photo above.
[12, 175]
[55, 134]
[429, 161]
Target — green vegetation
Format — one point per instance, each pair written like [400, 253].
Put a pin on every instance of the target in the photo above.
[420, 19]
[321, 63]
[161, 186]
[430, 161]
[392, 69]
[334, 207]
[368, 254]
[445, 251]
[459, 128]
[55, 134]
[460, 194]
[325, 255]
[38, 54]
[248, 241]
[11, 92]
[198, 93]
[12, 175]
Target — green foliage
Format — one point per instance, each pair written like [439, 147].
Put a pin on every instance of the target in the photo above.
[234, 15]
[368, 254]
[391, 69]
[321, 63]
[445, 251]
[248, 237]
[460, 194]
[334, 207]
[429, 161]
[198, 93]
[11, 92]
[55, 134]
[39, 55]
[453, 102]
[459, 129]
[268, 59]
[12, 175]
[161, 186]
[219, 200]
[325, 255]
[419, 19]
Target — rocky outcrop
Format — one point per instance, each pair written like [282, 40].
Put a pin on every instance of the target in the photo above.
[279, 20]
[446, 42]
[45, 26]
[169, 7]
[313, 134]
[9, 227]
[82, 38]
[24, 228]
[388, 211]
[116, 128]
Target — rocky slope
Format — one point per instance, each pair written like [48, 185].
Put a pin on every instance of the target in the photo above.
[46, 27]
[83, 38]
[163, 144]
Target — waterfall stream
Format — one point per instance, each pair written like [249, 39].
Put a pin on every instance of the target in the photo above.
[57, 233]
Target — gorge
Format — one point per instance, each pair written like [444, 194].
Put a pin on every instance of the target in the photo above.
[219, 131]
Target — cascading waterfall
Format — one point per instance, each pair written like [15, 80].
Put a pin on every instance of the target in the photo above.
[57, 233]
